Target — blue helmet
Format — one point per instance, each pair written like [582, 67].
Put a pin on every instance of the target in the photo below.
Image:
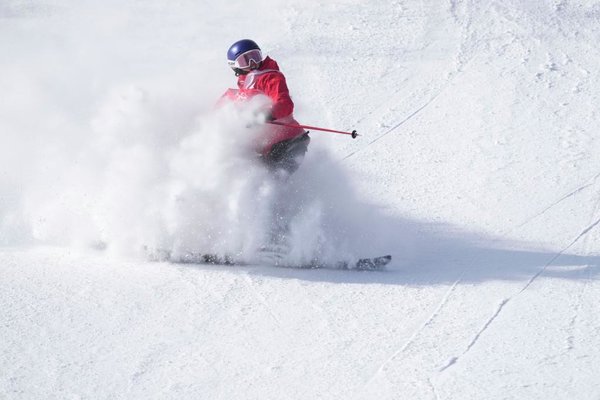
[244, 56]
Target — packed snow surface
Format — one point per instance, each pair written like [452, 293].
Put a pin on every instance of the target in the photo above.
[476, 169]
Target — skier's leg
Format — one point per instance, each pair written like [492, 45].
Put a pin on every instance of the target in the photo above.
[288, 154]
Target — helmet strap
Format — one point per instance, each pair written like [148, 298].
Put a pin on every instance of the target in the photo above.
[239, 71]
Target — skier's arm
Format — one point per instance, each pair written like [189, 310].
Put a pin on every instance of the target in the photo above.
[229, 95]
[277, 90]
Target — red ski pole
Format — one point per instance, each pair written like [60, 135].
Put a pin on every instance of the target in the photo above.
[315, 128]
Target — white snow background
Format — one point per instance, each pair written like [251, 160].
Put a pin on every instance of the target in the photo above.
[475, 169]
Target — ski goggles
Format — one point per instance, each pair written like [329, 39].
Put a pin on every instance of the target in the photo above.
[246, 61]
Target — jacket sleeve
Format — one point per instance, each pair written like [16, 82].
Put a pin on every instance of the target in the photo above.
[229, 95]
[276, 88]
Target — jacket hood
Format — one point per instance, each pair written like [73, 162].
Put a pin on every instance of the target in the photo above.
[269, 63]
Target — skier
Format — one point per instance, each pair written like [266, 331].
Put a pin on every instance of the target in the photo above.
[282, 148]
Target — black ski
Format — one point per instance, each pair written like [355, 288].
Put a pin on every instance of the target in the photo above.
[363, 264]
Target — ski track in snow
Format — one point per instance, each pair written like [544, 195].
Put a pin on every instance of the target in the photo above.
[588, 270]
[412, 338]
[589, 183]
[575, 318]
[399, 124]
[483, 329]
[453, 360]
[582, 234]
[461, 63]
[459, 69]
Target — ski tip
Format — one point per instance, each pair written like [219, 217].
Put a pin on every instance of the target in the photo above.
[373, 264]
[383, 260]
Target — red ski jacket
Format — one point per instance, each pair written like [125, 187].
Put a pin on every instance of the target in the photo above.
[270, 81]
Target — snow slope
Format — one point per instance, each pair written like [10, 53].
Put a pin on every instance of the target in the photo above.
[475, 170]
